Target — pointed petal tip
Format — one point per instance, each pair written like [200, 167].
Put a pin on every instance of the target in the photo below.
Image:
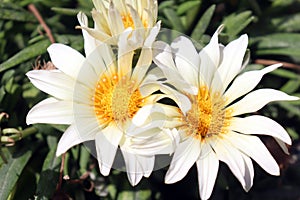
[220, 29]
[104, 170]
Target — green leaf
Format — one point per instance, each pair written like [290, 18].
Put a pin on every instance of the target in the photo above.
[291, 86]
[235, 23]
[288, 23]
[50, 172]
[83, 159]
[66, 11]
[9, 11]
[203, 23]
[165, 4]
[10, 172]
[174, 19]
[25, 54]
[285, 74]
[287, 44]
[187, 6]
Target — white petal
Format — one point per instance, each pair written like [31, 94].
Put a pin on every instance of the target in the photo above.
[144, 62]
[246, 82]
[260, 125]
[249, 172]
[283, 146]
[257, 99]
[185, 156]
[186, 59]
[137, 166]
[162, 142]
[115, 20]
[90, 42]
[207, 173]
[210, 59]
[87, 76]
[70, 138]
[51, 111]
[53, 82]
[152, 35]
[107, 142]
[125, 55]
[65, 58]
[96, 59]
[233, 158]
[162, 57]
[181, 100]
[231, 64]
[254, 148]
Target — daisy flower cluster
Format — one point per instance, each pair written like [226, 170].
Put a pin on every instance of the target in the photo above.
[111, 95]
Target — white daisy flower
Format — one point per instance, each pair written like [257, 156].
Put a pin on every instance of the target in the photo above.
[213, 129]
[104, 99]
[113, 17]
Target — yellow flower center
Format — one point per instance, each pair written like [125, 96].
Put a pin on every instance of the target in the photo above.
[208, 115]
[128, 21]
[116, 99]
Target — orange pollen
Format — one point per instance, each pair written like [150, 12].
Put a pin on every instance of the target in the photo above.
[128, 21]
[116, 100]
[208, 115]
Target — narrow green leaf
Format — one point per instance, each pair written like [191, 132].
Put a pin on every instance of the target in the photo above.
[50, 172]
[288, 23]
[10, 172]
[235, 23]
[16, 15]
[83, 159]
[285, 74]
[203, 23]
[67, 11]
[174, 19]
[291, 86]
[12, 11]
[25, 54]
[187, 6]
[165, 4]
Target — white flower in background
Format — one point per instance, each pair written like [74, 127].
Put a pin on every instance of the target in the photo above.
[113, 17]
[213, 129]
[104, 99]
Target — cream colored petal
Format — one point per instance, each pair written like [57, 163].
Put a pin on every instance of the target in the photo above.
[186, 59]
[115, 20]
[186, 154]
[181, 100]
[65, 58]
[70, 138]
[164, 60]
[99, 35]
[231, 64]
[89, 42]
[233, 158]
[260, 125]
[207, 173]
[125, 55]
[257, 99]
[87, 75]
[210, 59]
[107, 142]
[246, 82]
[160, 142]
[137, 166]
[254, 148]
[53, 82]
[96, 60]
[152, 35]
[51, 111]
